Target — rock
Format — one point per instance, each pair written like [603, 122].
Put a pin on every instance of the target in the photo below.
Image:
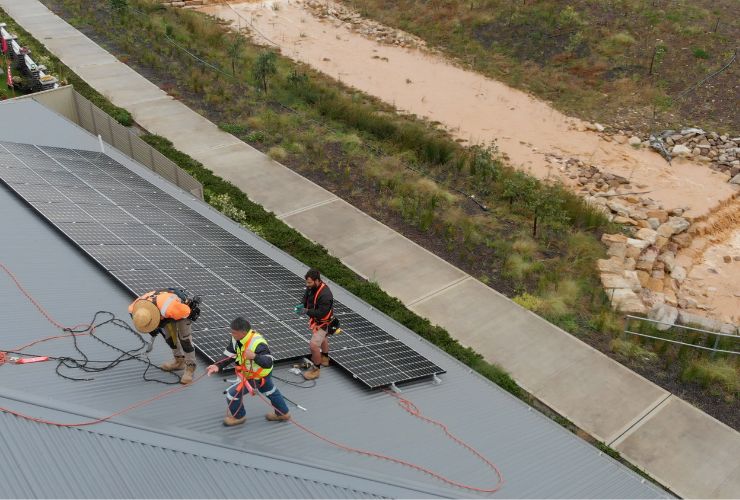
[643, 277]
[632, 279]
[646, 260]
[698, 321]
[618, 208]
[658, 274]
[599, 127]
[624, 220]
[639, 244]
[646, 234]
[735, 180]
[653, 223]
[613, 265]
[627, 301]
[682, 240]
[661, 215]
[613, 238]
[678, 273]
[617, 250]
[634, 141]
[679, 224]
[680, 150]
[620, 138]
[727, 259]
[629, 264]
[669, 259]
[610, 280]
[661, 241]
[676, 211]
[670, 298]
[655, 285]
[665, 314]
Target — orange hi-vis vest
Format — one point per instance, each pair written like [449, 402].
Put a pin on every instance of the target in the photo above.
[317, 324]
[169, 304]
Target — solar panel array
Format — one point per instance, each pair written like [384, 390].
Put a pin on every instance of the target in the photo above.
[149, 240]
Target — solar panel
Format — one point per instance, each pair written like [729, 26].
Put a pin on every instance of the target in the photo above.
[148, 240]
[248, 282]
[279, 303]
[166, 256]
[39, 193]
[136, 234]
[88, 233]
[118, 257]
[233, 305]
[144, 280]
[105, 213]
[178, 234]
[384, 364]
[63, 212]
[210, 256]
[201, 282]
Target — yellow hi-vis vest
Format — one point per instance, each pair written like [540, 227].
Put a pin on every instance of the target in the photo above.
[247, 368]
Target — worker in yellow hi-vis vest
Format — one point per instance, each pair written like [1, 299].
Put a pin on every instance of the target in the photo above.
[253, 366]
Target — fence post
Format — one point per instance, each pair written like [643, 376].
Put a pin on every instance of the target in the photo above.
[716, 344]
[95, 123]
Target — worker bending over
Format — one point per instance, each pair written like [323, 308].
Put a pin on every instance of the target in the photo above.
[318, 305]
[170, 312]
[253, 366]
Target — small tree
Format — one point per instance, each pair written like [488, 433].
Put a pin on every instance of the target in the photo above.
[518, 187]
[546, 204]
[119, 7]
[234, 50]
[264, 67]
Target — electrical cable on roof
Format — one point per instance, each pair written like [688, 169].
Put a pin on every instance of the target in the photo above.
[85, 364]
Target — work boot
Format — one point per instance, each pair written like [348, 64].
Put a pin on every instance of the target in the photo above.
[324, 360]
[312, 374]
[231, 421]
[274, 417]
[187, 377]
[178, 363]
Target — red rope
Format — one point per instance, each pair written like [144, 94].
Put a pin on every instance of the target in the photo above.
[388, 458]
[407, 405]
[90, 328]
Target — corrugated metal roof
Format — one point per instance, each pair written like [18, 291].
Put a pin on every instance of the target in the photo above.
[537, 457]
[41, 461]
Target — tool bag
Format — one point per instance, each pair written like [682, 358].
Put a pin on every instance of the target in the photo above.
[333, 326]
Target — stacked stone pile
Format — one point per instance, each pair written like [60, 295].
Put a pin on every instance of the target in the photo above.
[370, 29]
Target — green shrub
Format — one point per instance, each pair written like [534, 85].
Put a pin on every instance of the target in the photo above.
[720, 372]
[700, 53]
[632, 350]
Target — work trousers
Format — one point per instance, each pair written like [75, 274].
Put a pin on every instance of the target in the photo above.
[179, 337]
[235, 396]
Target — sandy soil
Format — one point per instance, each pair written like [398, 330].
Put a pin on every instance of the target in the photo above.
[480, 110]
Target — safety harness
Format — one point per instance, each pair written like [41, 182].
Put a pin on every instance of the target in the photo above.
[248, 370]
[323, 322]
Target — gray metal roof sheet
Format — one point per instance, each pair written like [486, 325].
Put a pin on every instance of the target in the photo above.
[537, 457]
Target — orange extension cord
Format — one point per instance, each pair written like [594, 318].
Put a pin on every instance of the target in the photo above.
[404, 403]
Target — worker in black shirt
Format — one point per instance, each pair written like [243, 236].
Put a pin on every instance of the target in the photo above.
[318, 305]
[253, 366]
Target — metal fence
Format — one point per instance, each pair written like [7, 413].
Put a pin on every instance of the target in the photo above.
[96, 121]
[688, 336]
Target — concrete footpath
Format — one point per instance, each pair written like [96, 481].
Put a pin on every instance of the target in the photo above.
[682, 447]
